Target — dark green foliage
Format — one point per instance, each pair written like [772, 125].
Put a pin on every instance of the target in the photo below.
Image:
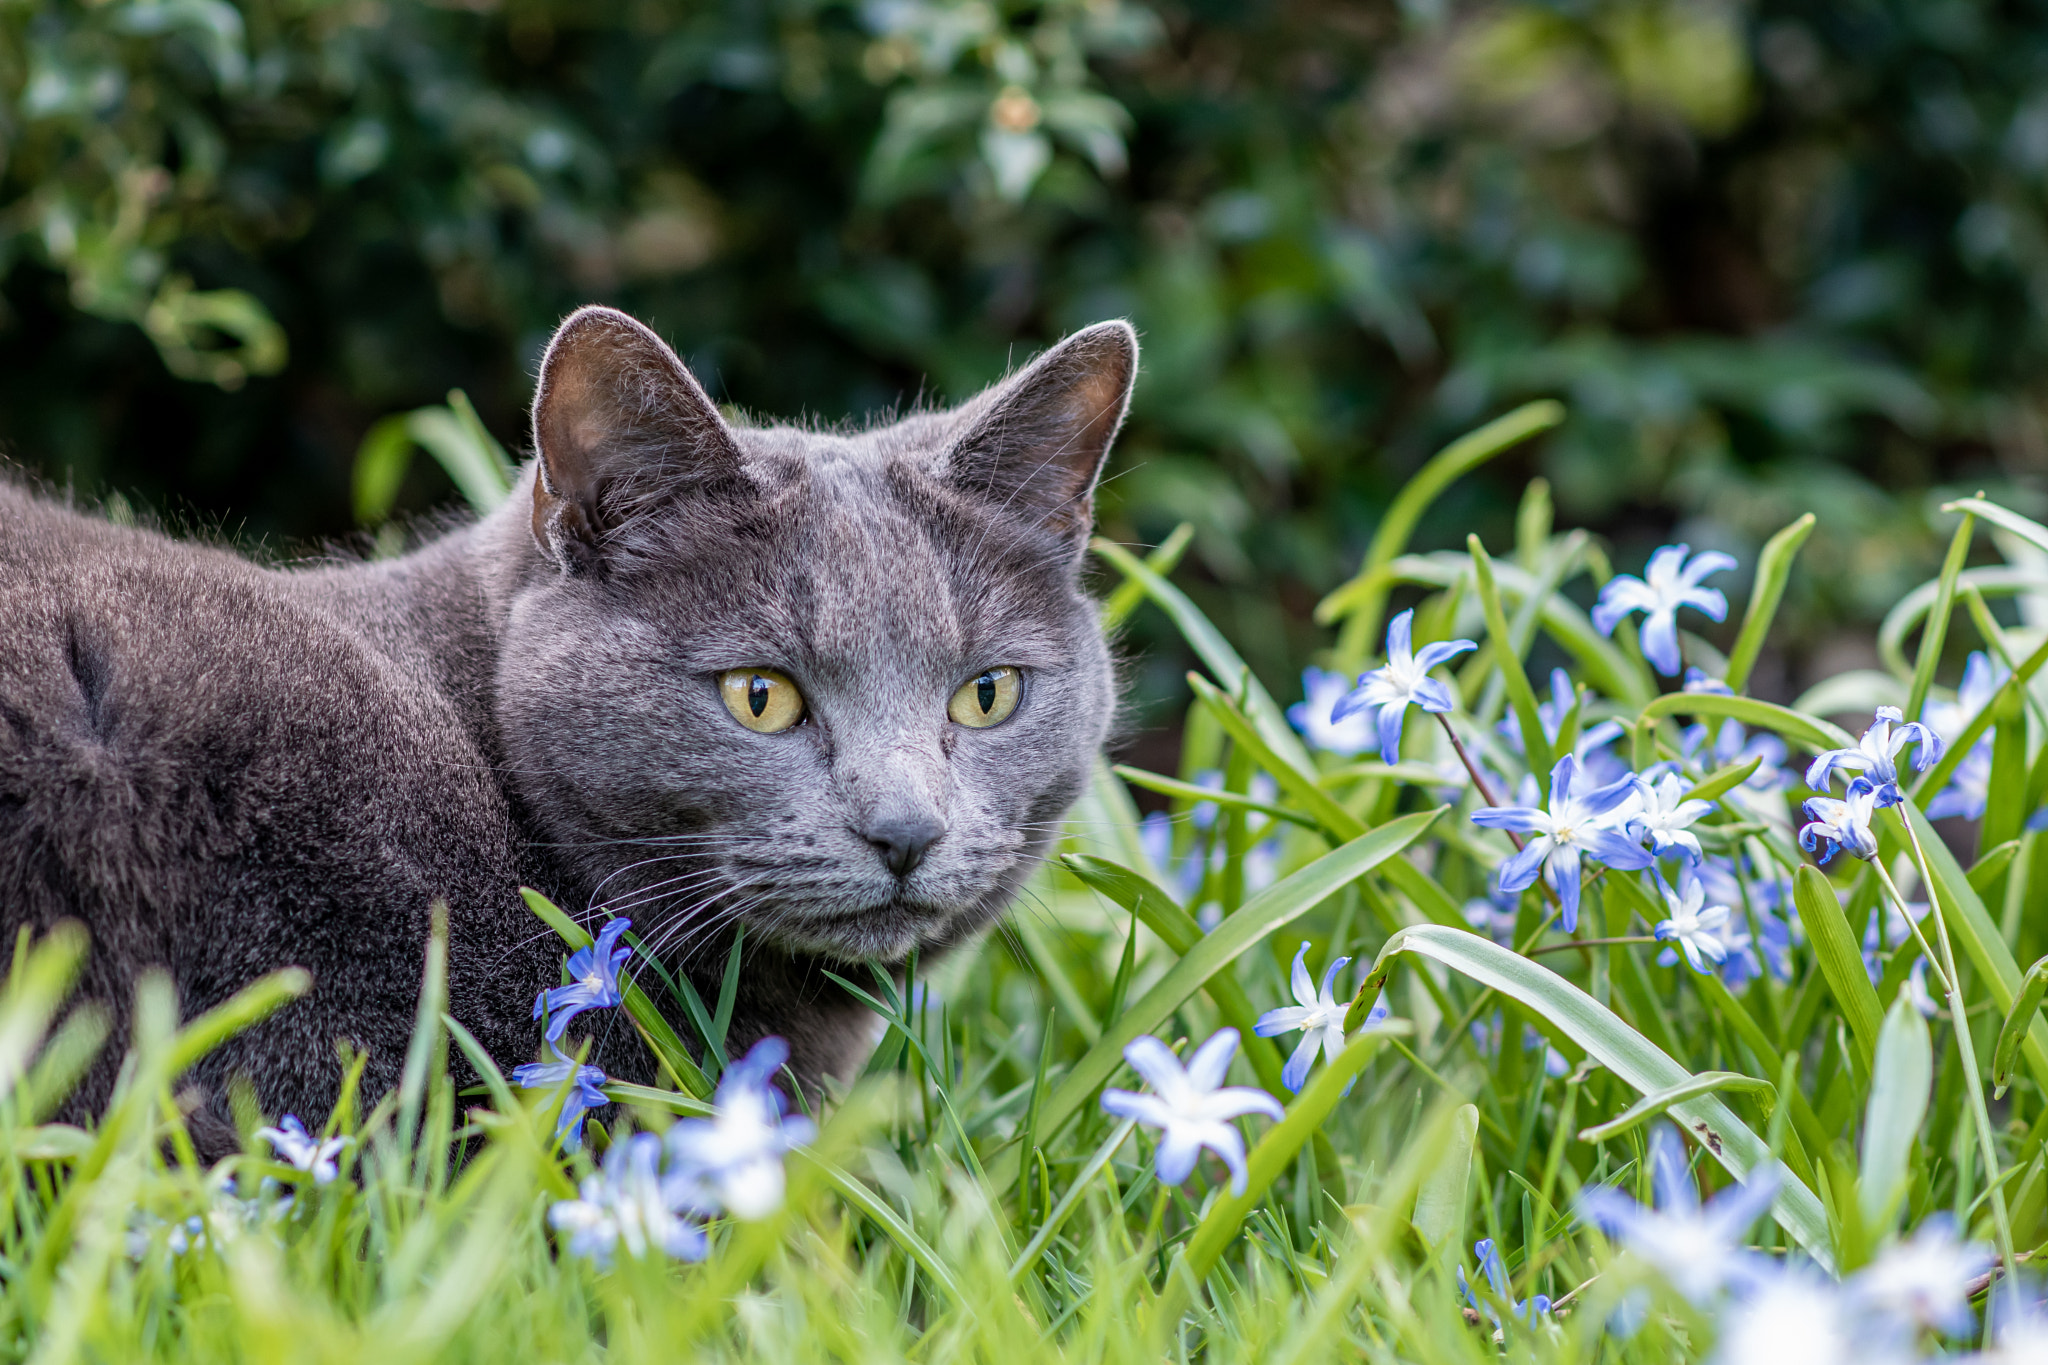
[1773, 257]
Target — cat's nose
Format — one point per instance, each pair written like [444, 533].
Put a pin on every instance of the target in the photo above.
[902, 840]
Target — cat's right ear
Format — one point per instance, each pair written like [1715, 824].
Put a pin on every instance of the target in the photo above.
[620, 425]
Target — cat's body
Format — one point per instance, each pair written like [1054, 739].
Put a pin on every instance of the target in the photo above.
[222, 768]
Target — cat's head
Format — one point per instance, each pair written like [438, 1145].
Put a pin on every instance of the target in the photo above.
[840, 687]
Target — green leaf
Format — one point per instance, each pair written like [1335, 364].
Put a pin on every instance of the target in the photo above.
[2023, 527]
[1179, 932]
[1264, 914]
[1715, 785]
[1442, 1197]
[1361, 601]
[474, 465]
[1840, 956]
[1990, 580]
[1811, 731]
[1117, 608]
[2025, 1005]
[1614, 1045]
[1773, 567]
[1508, 660]
[1650, 1106]
[1188, 791]
[1937, 777]
[1936, 630]
[1601, 666]
[1214, 652]
[381, 462]
[1975, 931]
[1901, 1080]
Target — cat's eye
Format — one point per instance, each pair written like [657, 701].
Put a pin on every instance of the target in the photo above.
[761, 699]
[987, 700]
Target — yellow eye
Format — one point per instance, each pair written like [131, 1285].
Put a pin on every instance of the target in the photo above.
[987, 700]
[761, 699]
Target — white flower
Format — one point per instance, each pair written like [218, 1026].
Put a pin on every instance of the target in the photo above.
[1876, 755]
[735, 1157]
[1665, 817]
[1697, 1248]
[294, 1146]
[1923, 1281]
[1794, 1318]
[1321, 691]
[1188, 1108]
[1319, 1016]
[629, 1202]
[1696, 931]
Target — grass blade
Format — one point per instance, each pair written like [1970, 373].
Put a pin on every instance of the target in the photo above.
[1840, 957]
[1164, 559]
[1615, 1046]
[2025, 1005]
[1901, 1079]
[1508, 660]
[1361, 601]
[1650, 1106]
[1936, 629]
[1213, 650]
[1773, 567]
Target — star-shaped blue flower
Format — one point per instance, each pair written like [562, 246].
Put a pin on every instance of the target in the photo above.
[585, 1093]
[1666, 585]
[1593, 825]
[1845, 824]
[593, 980]
[1876, 756]
[1403, 681]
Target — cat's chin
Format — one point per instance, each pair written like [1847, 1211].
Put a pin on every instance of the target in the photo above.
[886, 933]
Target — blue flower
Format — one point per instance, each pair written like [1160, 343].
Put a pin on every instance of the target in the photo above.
[1593, 825]
[734, 1158]
[593, 980]
[585, 1092]
[1876, 756]
[1403, 681]
[1321, 691]
[1697, 1249]
[1319, 1016]
[293, 1145]
[1495, 914]
[1969, 789]
[629, 1201]
[1188, 1107]
[1666, 585]
[1496, 1275]
[1731, 744]
[1843, 824]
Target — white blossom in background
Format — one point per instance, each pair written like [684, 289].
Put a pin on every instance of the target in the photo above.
[294, 1146]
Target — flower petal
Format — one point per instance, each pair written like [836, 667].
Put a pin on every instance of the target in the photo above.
[1211, 1061]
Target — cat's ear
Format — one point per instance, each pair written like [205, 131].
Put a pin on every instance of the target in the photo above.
[1034, 444]
[620, 424]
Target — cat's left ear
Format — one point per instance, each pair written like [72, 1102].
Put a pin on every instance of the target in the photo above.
[1034, 444]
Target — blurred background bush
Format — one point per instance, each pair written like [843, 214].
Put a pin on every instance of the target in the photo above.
[1775, 256]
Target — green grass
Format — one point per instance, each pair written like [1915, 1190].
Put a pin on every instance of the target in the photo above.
[968, 1199]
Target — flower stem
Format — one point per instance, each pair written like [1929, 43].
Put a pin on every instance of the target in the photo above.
[1478, 782]
[1959, 1016]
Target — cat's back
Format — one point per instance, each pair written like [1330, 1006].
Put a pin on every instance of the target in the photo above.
[213, 776]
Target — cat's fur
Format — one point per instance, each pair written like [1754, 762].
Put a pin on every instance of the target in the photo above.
[221, 768]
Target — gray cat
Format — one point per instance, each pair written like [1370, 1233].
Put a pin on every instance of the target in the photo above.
[838, 688]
